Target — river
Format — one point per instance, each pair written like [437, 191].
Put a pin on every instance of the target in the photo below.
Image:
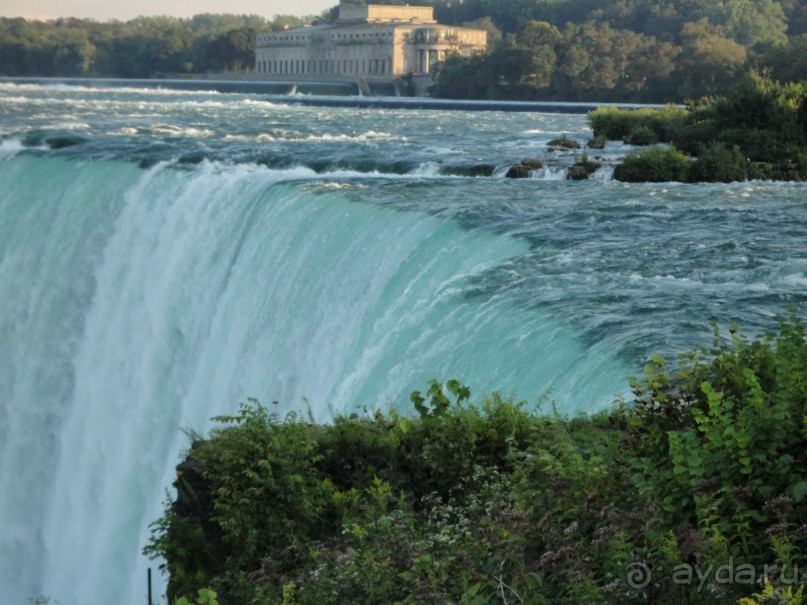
[166, 254]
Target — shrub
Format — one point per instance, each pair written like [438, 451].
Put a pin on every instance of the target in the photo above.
[765, 120]
[707, 466]
[733, 465]
[759, 116]
[654, 166]
[616, 124]
[716, 163]
[598, 142]
[641, 135]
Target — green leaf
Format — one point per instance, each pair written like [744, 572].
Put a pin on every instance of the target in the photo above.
[473, 589]
[418, 401]
[800, 491]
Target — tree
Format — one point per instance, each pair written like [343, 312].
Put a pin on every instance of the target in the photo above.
[587, 62]
[796, 15]
[788, 63]
[72, 52]
[709, 61]
[539, 40]
[233, 51]
[751, 23]
[487, 24]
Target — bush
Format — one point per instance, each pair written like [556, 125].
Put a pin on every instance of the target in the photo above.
[617, 124]
[707, 466]
[765, 120]
[731, 455]
[641, 135]
[718, 164]
[654, 166]
[759, 116]
[597, 142]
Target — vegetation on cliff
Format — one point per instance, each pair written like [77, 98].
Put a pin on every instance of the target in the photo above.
[693, 492]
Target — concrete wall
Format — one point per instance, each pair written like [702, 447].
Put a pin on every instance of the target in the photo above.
[346, 51]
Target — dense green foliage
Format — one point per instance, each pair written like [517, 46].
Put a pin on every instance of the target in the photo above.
[706, 469]
[142, 48]
[616, 124]
[758, 130]
[641, 50]
[637, 50]
[654, 165]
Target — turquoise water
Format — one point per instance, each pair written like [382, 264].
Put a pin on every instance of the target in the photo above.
[165, 255]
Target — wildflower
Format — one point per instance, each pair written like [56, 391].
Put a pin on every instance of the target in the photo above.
[780, 507]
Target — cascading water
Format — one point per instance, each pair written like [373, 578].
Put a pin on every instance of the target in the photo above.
[148, 301]
[164, 256]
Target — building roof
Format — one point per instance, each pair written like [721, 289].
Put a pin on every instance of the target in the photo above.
[378, 13]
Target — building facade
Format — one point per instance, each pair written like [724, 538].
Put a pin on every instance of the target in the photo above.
[368, 42]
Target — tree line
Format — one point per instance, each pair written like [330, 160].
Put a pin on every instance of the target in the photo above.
[145, 47]
[626, 50]
[603, 50]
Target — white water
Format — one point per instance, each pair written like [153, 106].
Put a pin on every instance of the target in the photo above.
[141, 302]
[156, 272]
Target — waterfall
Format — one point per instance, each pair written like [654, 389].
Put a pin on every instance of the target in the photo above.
[138, 302]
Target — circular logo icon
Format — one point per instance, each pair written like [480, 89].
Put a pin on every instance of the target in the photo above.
[637, 575]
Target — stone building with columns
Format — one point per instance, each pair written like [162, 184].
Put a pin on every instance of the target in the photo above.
[372, 42]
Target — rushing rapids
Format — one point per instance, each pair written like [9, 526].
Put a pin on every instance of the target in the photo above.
[167, 254]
